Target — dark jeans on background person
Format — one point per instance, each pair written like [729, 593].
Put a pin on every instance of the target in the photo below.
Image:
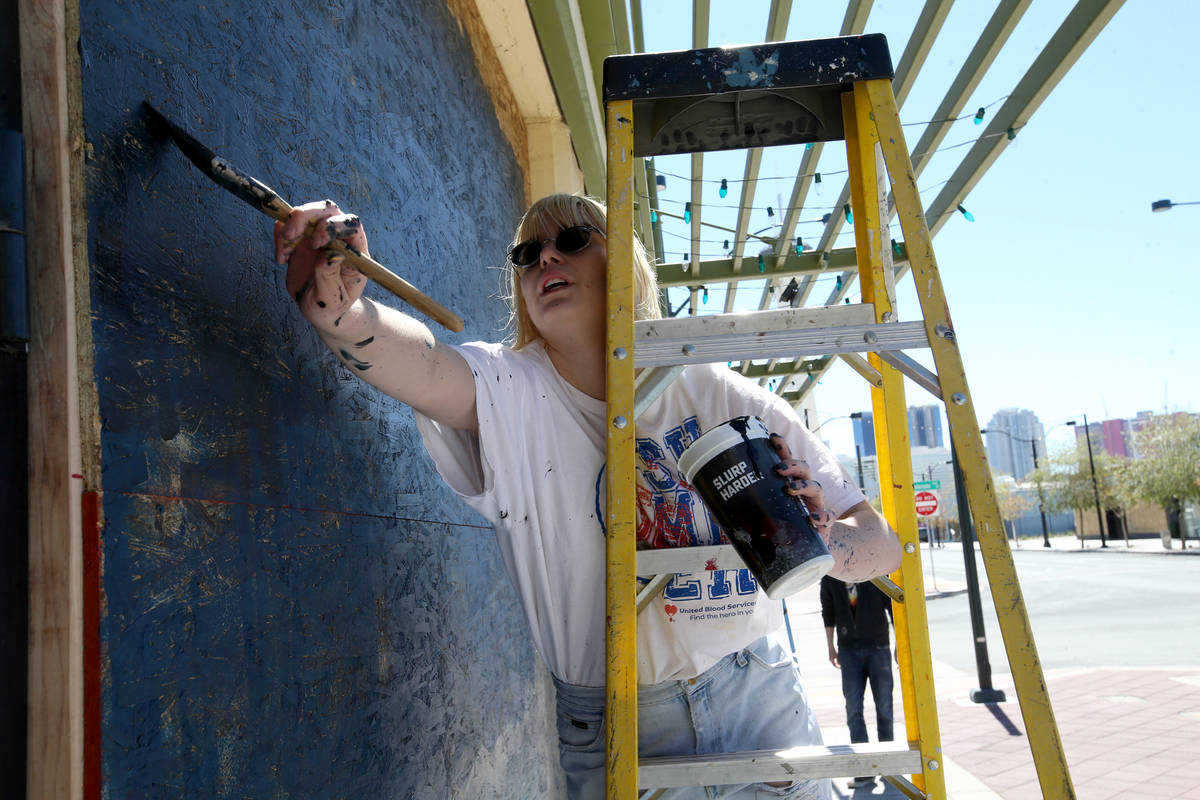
[858, 667]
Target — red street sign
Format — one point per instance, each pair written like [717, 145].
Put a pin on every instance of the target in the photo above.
[927, 503]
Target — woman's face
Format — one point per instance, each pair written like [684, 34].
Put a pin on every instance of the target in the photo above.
[565, 293]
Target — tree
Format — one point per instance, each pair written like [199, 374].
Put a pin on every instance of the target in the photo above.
[1012, 501]
[1167, 470]
[1066, 479]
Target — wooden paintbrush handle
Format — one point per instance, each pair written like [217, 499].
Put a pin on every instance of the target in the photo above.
[398, 286]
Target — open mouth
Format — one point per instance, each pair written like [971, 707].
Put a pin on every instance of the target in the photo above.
[554, 284]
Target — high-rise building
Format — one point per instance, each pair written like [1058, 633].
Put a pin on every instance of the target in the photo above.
[1010, 438]
[925, 426]
[864, 433]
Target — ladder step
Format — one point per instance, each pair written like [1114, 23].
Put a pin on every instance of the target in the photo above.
[672, 560]
[816, 761]
[779, 333]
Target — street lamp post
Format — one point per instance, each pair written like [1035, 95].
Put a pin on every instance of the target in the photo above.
[852, 415]
[857, 447]
[1041, 498]
[1087, 434]
[1167, 205]
[985, 693]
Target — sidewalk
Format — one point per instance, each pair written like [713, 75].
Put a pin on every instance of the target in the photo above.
[1137, 544]
[1127, 733]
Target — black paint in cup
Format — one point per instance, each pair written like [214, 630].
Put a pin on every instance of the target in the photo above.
[732, 466]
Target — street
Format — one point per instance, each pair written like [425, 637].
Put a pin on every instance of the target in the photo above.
[1087, 608]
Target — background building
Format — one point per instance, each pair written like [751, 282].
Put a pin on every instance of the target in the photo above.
[864, 434]
[1010, 432]
[925, 426]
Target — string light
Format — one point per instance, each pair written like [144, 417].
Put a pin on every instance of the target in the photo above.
[849, 216]
[979, 115]
[653, 216]
[896, 248]
[970, 217]
[724, 190]
[799, 246]
[762, 265]
[837, 285]
[661, 180]
[687, 212]
[704, 299]
[770, 212]
[817, 176]
[724, 251]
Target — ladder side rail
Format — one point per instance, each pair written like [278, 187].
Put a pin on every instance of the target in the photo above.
[620, 700]
[1044, 740]
[893, 454]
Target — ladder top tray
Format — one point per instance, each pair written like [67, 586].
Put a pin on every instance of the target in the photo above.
[760, 95]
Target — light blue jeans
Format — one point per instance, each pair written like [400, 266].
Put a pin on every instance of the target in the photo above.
[749, 700]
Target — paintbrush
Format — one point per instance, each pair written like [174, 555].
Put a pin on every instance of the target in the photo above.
[266, 200]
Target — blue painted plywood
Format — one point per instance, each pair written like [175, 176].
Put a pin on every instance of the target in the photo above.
[294, 606]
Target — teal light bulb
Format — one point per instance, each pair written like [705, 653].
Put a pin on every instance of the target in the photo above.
[687, 212]
[837, 284]
[653, 216]
[799, 246]
[896, 248]
[849, 216]
[762, 265]
[726, 245]
[724, 190]
[970, 217]
[704, 299]
[979, 115]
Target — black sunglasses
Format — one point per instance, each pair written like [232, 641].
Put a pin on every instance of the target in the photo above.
[568, 240]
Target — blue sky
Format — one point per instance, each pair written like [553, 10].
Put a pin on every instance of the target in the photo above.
[1068, 295]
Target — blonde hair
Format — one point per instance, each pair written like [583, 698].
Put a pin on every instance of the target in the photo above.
[546, 218]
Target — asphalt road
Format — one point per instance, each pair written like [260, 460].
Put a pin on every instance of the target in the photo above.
[1087, 609]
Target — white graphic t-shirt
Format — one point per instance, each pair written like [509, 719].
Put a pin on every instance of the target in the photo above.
[536, 471]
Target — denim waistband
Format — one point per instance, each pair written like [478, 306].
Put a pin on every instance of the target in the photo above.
[593, 696]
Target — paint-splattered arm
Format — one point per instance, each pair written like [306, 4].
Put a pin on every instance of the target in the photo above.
[862, 544]
[385, 347]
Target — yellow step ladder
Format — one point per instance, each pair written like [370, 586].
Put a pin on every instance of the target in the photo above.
[758, 96]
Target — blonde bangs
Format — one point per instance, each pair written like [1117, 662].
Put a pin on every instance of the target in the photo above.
[546, 218]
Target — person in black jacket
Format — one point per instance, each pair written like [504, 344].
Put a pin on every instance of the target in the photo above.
[860, 613]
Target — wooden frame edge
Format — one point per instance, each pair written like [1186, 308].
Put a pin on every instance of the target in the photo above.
[54, 769]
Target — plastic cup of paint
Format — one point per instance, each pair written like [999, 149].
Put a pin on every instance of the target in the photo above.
[732, 467]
